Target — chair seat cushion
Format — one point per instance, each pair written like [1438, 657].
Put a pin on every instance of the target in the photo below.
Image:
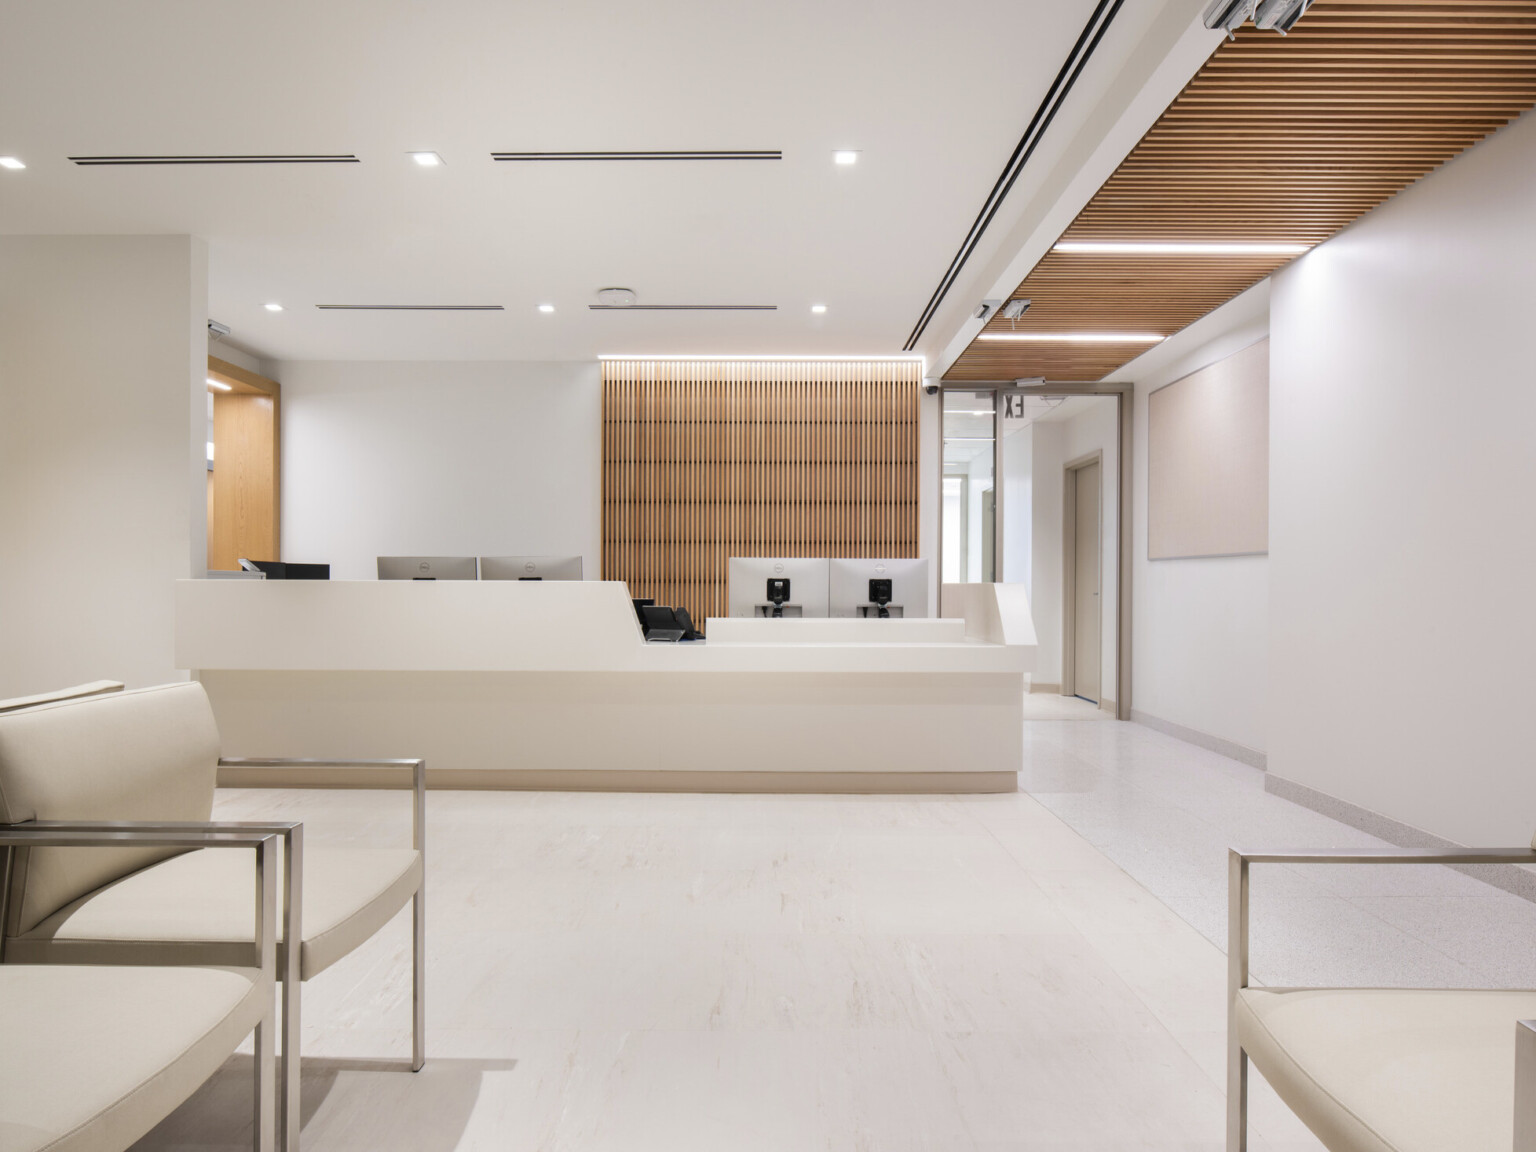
[1373, 1070]
[93, 1058]
[196, 909]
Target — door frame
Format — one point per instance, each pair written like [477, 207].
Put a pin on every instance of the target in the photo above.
[1069, 570]
[1124, 396]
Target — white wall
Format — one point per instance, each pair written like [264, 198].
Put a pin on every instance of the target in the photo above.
[1403, 536]
[450, 458]
[102, 476]
[1200, 626]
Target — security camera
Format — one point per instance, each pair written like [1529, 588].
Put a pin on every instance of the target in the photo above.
[931, 387]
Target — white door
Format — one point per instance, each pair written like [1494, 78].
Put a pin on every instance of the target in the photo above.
[1087, 611]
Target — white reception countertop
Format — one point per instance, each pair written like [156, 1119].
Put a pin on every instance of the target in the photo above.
[507, 684]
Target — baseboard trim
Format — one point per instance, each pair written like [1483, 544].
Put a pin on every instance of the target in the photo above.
[1107, 706]
[1053, 689]
[1229, 748]
[1511, 878]
[609, 780]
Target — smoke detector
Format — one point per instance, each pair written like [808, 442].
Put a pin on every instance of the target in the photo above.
[616, 297]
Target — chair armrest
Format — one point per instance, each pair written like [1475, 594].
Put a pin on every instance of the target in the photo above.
[1237, 885]
[291, 772]
[127, 834]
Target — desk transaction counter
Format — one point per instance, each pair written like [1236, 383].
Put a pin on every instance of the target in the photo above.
[549, 684]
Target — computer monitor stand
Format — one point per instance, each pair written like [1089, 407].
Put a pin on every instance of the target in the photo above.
[777, 611]
[880, 611]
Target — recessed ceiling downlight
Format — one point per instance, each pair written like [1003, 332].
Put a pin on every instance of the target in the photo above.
[546, 308]
[818, 308]
[616, 297]
[273, 307]
[10, 162]
[426, 159]
[845, 156]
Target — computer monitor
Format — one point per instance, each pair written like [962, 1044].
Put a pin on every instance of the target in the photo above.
[530, 567]
[426, 567]
[748, 581]
[287, 570]
[858, 586]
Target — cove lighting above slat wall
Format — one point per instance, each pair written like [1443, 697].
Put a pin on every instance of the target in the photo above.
[708, 459]
[1276, 140]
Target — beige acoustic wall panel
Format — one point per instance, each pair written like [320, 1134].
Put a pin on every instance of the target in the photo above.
[708, 459]
[1208, 460]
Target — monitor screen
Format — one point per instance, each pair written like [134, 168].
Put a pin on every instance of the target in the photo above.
[747, 585]
[530, 567]
[426, 567]
[859, 585]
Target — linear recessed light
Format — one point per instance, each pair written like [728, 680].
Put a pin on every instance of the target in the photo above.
[731, 154]
[10, 162]
[273, 307]
[818, 308]
[90, 161]
[1090, 248]
[546, 307]
[220, 385]
[845, 156]
[426, 159]
[764, 356]
[1075, 337]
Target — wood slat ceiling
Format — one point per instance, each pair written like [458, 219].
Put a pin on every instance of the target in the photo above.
[1281, 139]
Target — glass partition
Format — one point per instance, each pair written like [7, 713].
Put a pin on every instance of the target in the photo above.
[969, 512]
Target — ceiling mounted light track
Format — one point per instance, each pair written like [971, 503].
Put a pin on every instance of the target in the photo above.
[727, 154]
[1087, 42]
[99, 161]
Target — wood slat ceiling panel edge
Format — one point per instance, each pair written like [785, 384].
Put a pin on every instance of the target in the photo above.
[1274, 139]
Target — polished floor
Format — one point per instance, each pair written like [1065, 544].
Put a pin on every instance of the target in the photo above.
[1031, 971]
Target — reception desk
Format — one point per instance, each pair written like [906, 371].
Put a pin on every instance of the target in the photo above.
[509, 684]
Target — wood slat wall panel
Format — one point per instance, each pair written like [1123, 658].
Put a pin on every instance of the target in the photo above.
[708, 459]
[1277, 139]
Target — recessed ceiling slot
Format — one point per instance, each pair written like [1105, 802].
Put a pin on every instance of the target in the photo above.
[726, 154]
[98, 161]
[683, 307]
[411, 307]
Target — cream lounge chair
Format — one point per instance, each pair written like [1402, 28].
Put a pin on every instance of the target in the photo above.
[152, 755]
[92, 1058]
[1378, 1069]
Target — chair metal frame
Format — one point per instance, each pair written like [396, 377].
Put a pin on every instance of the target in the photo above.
[79, 834]
[1237, 972]
[292, 836]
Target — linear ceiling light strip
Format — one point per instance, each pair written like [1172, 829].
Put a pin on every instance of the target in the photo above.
[96, 161]
[1055, 96]
[683, 307]
[411, 307]
[734, 154]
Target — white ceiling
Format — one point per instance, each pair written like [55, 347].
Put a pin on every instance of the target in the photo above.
[933, 95]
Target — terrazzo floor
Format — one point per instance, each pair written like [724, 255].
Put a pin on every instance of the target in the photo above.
[681, 972]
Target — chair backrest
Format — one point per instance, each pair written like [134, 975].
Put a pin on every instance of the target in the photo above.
[150, 754]
[94, 688]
